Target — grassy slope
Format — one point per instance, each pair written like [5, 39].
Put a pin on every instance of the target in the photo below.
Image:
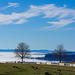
[26, 69]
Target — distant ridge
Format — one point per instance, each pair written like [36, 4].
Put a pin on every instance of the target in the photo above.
[12, 50]
[6, 50]
[41, 50]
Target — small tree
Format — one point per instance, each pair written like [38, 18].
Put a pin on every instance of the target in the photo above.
[60, 52]
[22, 51]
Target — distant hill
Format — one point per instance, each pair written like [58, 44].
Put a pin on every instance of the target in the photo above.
[69, 58]
[6, 50]
[12, 50]
[48, 51]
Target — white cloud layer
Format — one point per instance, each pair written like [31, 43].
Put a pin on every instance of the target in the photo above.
[61, 16]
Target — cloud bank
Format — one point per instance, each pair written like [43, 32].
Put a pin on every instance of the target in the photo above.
[61, 16]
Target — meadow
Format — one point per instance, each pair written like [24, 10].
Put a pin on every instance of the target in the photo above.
[34, 69]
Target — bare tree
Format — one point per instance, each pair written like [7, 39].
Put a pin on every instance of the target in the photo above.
[22, 51]
[60, 52]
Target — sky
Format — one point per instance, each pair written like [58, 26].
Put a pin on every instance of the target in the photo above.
[42, 24]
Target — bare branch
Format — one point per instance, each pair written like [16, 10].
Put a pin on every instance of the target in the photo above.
[60, 52]
[22, 51]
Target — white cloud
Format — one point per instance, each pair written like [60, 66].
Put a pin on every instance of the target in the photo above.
[21, 17]
[21, 21]
[64, 15]
[11, 5]
[69, 29]
[60, 23]
[61, 16]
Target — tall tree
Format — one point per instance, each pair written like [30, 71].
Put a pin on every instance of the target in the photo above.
[22, 51]
[60, 52]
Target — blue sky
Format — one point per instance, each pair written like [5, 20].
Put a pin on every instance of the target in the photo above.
[43, 24]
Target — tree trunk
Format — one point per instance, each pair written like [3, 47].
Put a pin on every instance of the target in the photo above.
[22, 55]
[60, 60]
[60, 55]
[22, 60]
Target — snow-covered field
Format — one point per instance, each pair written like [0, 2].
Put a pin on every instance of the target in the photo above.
[10, 56]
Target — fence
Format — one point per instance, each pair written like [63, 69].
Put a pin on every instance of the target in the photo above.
[47, 63]
[61, 64]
